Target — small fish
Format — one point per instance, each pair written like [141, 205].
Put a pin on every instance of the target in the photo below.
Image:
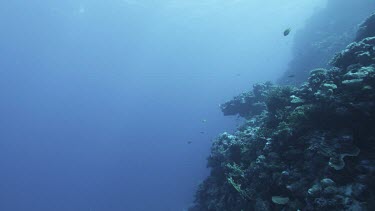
[291, 76]
[287, 31]
[204, 120]
[189, 142]
[238, 74]
[202, 132]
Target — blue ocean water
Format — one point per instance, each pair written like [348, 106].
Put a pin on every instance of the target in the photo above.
[100, 99]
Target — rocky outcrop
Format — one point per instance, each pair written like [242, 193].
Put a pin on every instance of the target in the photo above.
[366, 29]
[247, 104]
[305, 148]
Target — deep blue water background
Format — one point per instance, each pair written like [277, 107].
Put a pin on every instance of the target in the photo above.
[99, 98]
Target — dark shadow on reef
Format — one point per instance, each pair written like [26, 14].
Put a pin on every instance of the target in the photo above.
[306, 148]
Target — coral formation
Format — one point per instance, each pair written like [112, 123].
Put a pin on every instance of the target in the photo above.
[300, 148]
[326, 32]
[366, 29]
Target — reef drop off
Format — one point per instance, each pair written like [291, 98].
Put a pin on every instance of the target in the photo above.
[301, 148]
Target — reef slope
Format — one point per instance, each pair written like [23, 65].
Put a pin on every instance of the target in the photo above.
[301, 148]
[327, 31]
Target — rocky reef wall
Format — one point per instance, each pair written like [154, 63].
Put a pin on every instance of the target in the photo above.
[310, 147]
[329, 30]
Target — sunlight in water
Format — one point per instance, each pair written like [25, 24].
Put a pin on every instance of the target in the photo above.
[82, 9]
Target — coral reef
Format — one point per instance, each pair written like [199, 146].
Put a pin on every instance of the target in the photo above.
[326, 32]
[240, 105]
[300, 148]
[366, 29]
